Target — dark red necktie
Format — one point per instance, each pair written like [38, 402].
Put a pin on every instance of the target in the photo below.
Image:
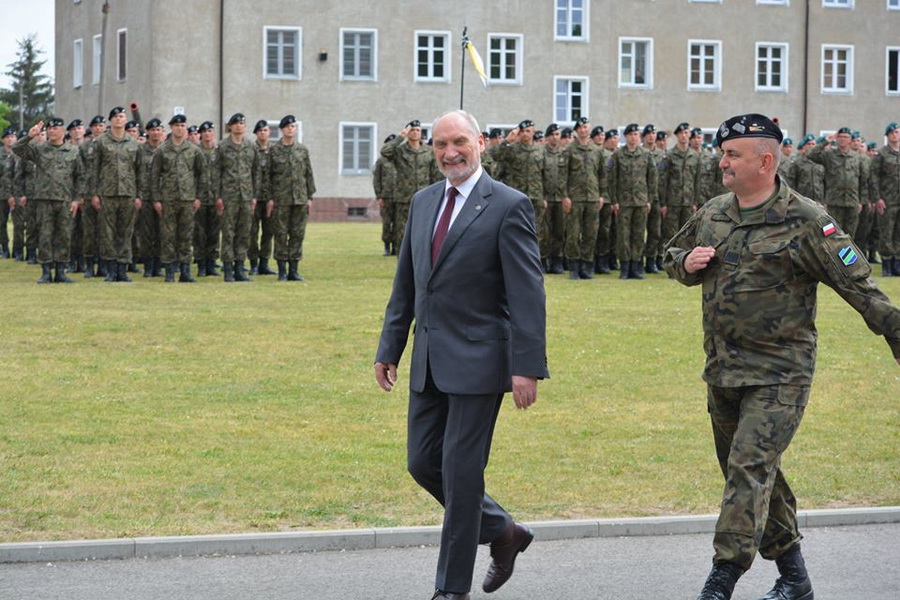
[443, 225]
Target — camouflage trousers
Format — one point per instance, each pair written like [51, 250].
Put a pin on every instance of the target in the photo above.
[863, 235]
[290, 229]
[147, 232]
[4, 220]
[752, 427]
[207, 226]
[552, 231]
[177, 232]
[32, 229]
[236, 230]
[675, 219]
[401, 214]
[847, 217]
[90, 230]
[632, 225]
[653, 246]
[76, 241]
[605, 234]
[55, 223]
[117, 216]
[387, 220]
[581, 230]
[261, 234]
[19, 221]
[889, 232]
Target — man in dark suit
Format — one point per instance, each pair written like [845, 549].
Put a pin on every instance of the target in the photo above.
[471, 278]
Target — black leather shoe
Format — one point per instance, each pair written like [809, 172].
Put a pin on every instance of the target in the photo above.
[503, 552]
[439, 595]
[794, 583]
[720, 583]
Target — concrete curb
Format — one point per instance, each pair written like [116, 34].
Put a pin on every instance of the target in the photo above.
[368, 539]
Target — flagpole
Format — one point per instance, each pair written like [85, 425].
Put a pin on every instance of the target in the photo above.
[462, 74]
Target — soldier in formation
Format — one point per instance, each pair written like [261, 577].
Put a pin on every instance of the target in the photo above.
[261, 229]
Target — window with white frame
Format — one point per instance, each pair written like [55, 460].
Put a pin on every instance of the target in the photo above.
[636, 62]
[357, 148]
[122, 55]
[359, 57]
[275, 131]
[505, 58]
[704, 64]
[571, 20]
[893, 4]
[97, 59]
[707, 1]
[570, 98]
[892, 78]
[777, 2]
[838, 3]
[771, 67]
[78, 63]
[432, 56]
[837, 69]
[281, 59]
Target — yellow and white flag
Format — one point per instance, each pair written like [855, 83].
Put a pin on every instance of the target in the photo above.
[476, 62]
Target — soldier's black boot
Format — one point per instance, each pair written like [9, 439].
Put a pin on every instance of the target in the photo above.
[211, 267]
[574, 269]
[611, 261]
[887, 267]
[228, 270]
[624, 272]
[31, 257]
[254, 266]
[157, 265]
[61, 276]
[186, 273]
[659, 264]
[110, 271]
[650, 266]
[556, 265]
[282, 270]
[132, 267]
[873, 258]
[88, 267]
[17, 254]
[293, 274]
[387, 249]
[264, 267]
[587, 269]
[201, 267]
[170, 272]
[794, 583]
[636, 267]
[46, 275]
[545, 265]
[239, 273]
[101, 267]
[602, 263]
[720, 583]
[4, 251]
[148, 266]
[895, 267]
[122, 272]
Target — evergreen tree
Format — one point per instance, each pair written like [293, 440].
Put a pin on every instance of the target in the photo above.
[28, 83]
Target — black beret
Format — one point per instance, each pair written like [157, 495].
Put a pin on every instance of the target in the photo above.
[485, 134]
[98, 120]
[22, 133]
[682, 127]
[538, 136]
[55, 122]
[631, 127]
[236, 118]
[566, 133]
[649, 128]
[696, 132]
[495, 133]
[288, 119]
[581, 121]
[661, 135]
[787, 142]
[192, 129]
[259, 125]
[75, 123]
[551, 128]
[610, 134]
[389, 138]
[9, 131]
[750, 125]
[597, 130]
[844, 130]
[526, 123]
[131, 125]
[206, 126]
[116, 111]
[413, 123]
[153, 123]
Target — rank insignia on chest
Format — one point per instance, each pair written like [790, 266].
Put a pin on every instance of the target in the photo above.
[829, 229]
[848, 256]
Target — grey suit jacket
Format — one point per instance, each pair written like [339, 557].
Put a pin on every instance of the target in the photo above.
[480, 312]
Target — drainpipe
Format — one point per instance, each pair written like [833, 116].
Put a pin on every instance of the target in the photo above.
[806, 70]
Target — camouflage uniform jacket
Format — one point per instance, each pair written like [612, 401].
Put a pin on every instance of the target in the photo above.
[711, 178]
[807, 178]
[147, 152]
[632, 177]
[7, 168]
[383, 179]
[759, 292]
[239, 174]
[845, 177]
[290, 178]
[211, 178]
[585, 174]
[58, 170]
[263, 154]
[491, 161]
[886, 175]
[415, 167]
[23, 179]
[553, 174]
[117, 169]
[681, 184]
[178, 173]
[522, 164]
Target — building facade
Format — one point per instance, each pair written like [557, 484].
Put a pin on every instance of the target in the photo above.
[354, 71]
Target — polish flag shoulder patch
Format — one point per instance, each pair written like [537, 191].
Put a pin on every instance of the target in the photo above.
[829, 229]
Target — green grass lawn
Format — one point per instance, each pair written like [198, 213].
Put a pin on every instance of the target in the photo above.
[166, 409]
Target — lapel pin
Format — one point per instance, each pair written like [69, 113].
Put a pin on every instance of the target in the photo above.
[477, 207]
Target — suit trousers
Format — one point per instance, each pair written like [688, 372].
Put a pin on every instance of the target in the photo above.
[448, 444]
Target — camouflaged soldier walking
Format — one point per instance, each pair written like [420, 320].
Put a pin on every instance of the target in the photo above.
[760, 253]
[58, 189]
[291, 187]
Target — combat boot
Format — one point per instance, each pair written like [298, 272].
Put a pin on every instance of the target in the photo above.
[110, 271]
[46, 275]
[132, 267]
[122, 272]
[186, 273]
[293, 274]
[545, 265]
[873, 258]
[624, 272]
[157, 265]
[4, 251]
[61, 276]
[101, 267]
[794, 583]
[17, 254]
[31, 257]
[170, 273]
[887, 267]
[239, 273]
[264, 267]
[282, 270]
[88, 267]
[650, 266]
[636, 267]
[201, 267]
[895, 266]
[556, 265]
[254, 266]
[602, 264]
[611, 261]
[148, 267]
[659, 264]
[587, 269]
[387, 249]
[211, 267]
[720, 583]
[574, 269]
[228, 269]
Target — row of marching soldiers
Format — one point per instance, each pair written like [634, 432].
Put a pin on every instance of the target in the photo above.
[600, 206]
[164, 202]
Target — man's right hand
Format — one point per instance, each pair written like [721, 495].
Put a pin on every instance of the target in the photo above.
[698, 258]
[95, 202]
[386, 375]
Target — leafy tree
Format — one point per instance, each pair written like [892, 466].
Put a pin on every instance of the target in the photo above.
[4, 112]
[28, 83]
